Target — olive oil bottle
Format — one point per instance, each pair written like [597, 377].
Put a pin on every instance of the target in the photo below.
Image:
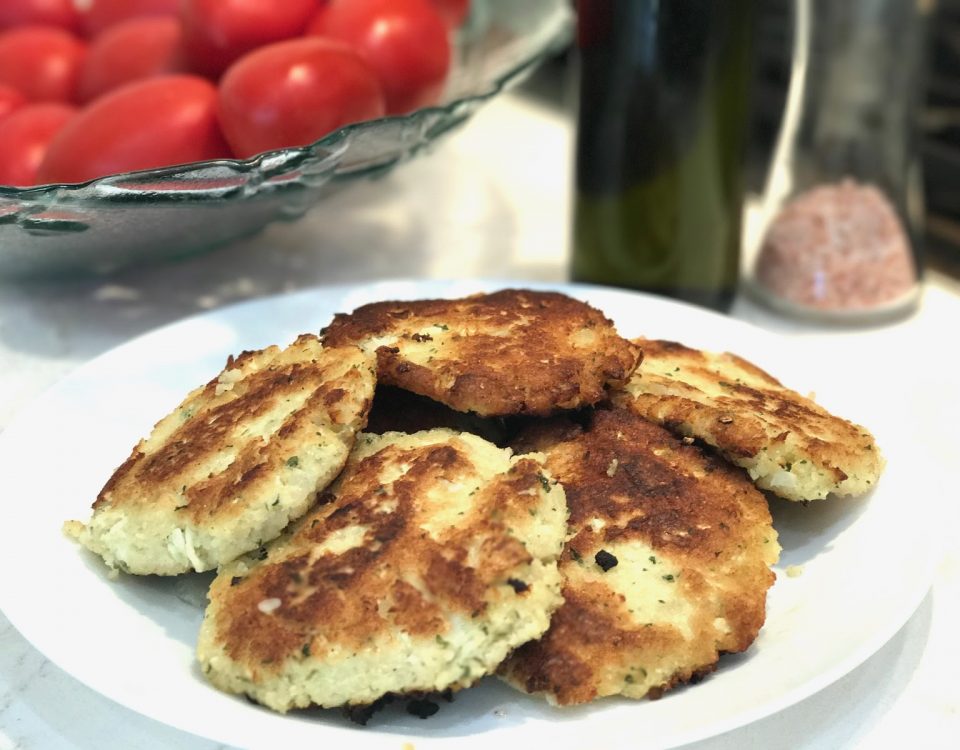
[662, 124]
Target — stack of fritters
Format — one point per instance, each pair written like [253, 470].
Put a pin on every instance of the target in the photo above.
[592, 553]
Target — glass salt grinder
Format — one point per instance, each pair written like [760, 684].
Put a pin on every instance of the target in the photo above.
[841, 216]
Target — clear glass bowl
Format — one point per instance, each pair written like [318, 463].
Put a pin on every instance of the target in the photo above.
[159, 214]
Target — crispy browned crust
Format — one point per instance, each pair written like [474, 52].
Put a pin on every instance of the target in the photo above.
[702, 520]
[510, 352]
[214, 419]
[744, 411]
[400, 578]
[739, 430]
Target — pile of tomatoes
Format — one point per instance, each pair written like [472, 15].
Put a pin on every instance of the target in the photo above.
[90, 88]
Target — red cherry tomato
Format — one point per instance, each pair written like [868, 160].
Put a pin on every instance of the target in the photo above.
[454, 12]
[406, 41]
[129, 51]
[41, 62]
[217, 32]
[158, 122]
[295, 92]
[10, 100]
[47, 12]
[24, 137]
[103, 14]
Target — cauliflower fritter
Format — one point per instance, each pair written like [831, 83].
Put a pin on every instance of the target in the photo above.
[667, 565]
[430, 559]
[235, 462]
[510, 352]
[789, 444]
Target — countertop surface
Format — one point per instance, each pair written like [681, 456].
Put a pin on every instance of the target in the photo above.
[477, 207]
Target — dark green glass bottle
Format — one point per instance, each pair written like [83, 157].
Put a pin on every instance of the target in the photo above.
[662, 124]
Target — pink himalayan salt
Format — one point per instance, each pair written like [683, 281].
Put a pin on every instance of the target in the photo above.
[837, 247]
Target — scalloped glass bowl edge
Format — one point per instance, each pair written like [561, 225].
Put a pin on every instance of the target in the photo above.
[163, 214]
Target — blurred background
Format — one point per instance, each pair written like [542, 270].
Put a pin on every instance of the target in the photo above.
[940, 117]
[941, 144]
[940, 120]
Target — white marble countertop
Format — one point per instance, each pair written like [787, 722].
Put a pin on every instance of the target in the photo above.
[476, 208]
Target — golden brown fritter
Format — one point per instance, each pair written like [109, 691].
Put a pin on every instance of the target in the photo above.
[510, 352]
[236, 461]
[667, 565]
[432, 557]
[789, 444]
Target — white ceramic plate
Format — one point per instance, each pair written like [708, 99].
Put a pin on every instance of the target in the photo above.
[133, 639]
